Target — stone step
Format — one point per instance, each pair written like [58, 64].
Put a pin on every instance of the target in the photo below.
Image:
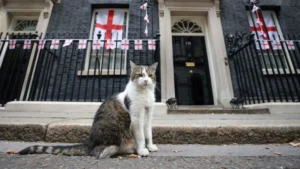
[215, 110]
[172, 129]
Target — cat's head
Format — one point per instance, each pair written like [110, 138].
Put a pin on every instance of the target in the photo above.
[143, 76]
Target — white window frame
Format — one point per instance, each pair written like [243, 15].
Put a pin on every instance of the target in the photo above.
[110, 72]
[16, 18]
[269, 71]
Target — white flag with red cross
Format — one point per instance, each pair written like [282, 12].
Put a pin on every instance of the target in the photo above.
[12, 44]
[110, 23]
[146, 18]
[27, 44]
[151, 44]
[110, 44]
[67, 42]
[54, 44]
[144, 6]
[264, 26]
[96, 44]
[290, 45]
[146, 30]
[264, 44]
[42, 44]
[82, 44]
[125, 44]
[138, 44]
[276, 45]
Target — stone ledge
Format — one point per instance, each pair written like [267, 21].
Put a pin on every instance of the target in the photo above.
[219, 111]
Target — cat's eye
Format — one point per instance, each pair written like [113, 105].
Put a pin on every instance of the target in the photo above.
[151, 75]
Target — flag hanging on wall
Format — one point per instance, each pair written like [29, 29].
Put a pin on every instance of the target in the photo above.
[151, 44]
[82, 44]
[110, 24]
[12, 44]
[54, 44]
[96, 44]
[42, 44]
[138, 44]
[125, 44]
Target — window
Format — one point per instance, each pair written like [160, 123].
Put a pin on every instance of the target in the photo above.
[273, 58]
[113, 24]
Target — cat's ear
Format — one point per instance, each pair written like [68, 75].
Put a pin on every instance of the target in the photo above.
[132, 65]
[154, 66]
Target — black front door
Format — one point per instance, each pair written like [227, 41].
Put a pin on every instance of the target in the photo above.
[191, 71]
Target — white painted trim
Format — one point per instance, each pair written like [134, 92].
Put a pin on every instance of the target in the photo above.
[104, 72]
[280, 72]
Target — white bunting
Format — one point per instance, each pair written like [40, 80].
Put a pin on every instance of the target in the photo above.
[82, 44]
[144, 6]
[42, 44]
[12, 44]
[54, 44]
[146, 18]
[290, 44]
[151, 44]
[110, 44]
[27, 44]
[96, 44]
[138, 44]
[125, 44]
[276, 45]
[255, 8]
[67, 42]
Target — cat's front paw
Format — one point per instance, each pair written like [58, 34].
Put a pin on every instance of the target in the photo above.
[143, 152]
[152, 147]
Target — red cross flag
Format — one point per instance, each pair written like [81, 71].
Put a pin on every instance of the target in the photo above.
[82, 44]
[54, 44]
[264, 44]
[12, 44]
[110, 44]
[151, 44]
[144, 6]
[110, 24]
[96, 44]
[138, 44]
[27, 44]
[42, 44]
[263, 30]
[290, 44]
[67, 42]
[276, 45]
[255, 8]
[125, 44]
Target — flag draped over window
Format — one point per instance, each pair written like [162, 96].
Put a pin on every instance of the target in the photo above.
[110, 24]
[264, 25]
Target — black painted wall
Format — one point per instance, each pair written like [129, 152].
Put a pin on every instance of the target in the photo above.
[74, 16]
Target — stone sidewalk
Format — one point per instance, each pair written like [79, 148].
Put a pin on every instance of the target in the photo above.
[168, 129]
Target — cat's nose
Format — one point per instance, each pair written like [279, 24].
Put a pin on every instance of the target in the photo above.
[146, 81]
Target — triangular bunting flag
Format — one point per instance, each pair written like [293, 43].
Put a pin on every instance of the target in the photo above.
[82, 44]
[125, 44]
[144, 6]
[151, 44]
[54, 44]
[146, 18]
[138, 44]
[42, 44]
[67, 42]
[12, 44]
[146, 30]
[27, 44]
[255, 8]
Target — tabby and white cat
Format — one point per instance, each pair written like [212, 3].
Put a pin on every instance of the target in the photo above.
[122, 124]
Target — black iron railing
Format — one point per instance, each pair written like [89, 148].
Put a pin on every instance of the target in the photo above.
[69, 73]
[265, 75]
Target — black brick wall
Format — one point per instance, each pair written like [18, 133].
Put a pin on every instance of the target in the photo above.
[74, 16]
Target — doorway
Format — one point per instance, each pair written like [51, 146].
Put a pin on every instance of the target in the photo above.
[191, 71]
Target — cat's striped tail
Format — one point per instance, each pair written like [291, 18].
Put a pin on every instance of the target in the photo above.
[71, 150]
